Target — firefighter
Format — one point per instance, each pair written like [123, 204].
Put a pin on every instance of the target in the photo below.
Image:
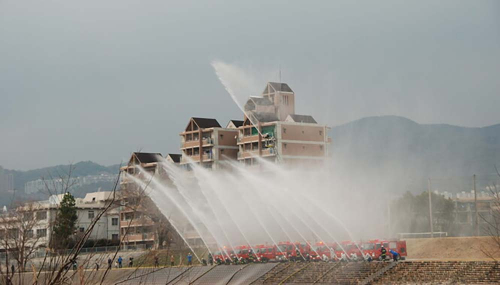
[235, 259]
[210, 259]
[395, 255]
[228, 261]
[325, 258]
[383, 253]
[354, 257]
[343, 257]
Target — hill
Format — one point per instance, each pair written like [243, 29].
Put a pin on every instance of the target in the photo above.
[401, 154]
[80, 169]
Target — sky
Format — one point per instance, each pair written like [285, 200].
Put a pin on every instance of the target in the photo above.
[97, 80]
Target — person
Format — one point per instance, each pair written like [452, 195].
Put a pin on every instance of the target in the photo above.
[368, 257]
[204, 262]
[120, 260]
[96, 266]
[228, 261]
[12, 268]
[116, 263]
[210, 259]
[218, 261]
[395, 255]
[130, 261]
[354, 257]
[343, 257]
[157, 261]
[190, 259]
[110, 263]
[325, 258]
[235, 259]
[383, 253]
[172, 260]
[75, 265]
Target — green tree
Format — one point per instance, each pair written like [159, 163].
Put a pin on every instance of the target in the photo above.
[65, 223]
[411, 213]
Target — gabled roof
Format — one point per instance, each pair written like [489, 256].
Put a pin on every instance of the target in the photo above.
[261, 101]
[236, 123]
[175, 157]
[146, 157]
[301, 119]
[280, 87]
[204, 123]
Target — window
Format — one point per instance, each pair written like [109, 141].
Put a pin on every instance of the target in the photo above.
[284, 145]
[81, 230]
[41, 232]
[114, 221]
[114, 237]
[42, 215]
[284, 130]
[29, 233]
[221, 137]
[320, 133]
[321, 147]
[91, 215]
[13, 233]
[93, 199]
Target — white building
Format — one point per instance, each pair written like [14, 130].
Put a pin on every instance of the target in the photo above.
[88, 208]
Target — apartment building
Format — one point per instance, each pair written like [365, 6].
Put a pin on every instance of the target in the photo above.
[273, 131]
[204, 141]
[139, 217]
[41, 217]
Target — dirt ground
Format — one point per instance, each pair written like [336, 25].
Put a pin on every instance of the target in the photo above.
[452, 248]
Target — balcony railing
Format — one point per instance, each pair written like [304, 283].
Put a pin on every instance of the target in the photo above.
[253, 153]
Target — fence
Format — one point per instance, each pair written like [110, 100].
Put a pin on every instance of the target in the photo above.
[422, 235]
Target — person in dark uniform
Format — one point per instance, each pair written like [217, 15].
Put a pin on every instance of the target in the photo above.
[383, 253]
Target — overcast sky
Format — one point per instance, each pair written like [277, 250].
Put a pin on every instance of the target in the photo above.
[96, 80]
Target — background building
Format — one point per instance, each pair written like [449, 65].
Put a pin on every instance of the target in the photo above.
[272, 130]
[204, 141]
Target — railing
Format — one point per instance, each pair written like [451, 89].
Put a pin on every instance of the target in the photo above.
[422, 235]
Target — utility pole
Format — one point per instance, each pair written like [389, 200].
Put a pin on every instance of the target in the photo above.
[430, 209]
[475, 206]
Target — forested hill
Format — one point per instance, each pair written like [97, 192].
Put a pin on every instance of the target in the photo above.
[397, 148]
[83, 168]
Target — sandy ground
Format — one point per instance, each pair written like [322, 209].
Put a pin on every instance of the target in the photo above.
[452, 248]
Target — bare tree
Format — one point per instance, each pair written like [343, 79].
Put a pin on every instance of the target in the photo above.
[492, 226]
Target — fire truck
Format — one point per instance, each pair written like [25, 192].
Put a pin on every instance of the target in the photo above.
[298, 250]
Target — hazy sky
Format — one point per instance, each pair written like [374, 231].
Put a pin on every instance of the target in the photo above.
[96, 80]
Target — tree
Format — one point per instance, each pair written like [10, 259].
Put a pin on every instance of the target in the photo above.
[65, 223]
[492, 227]
[411, 213]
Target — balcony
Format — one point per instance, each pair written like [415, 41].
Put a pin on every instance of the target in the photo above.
[196, 143]
[254, 153]
[247, 139]
[139, 237]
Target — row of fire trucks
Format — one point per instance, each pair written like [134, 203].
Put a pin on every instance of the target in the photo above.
[319, 250]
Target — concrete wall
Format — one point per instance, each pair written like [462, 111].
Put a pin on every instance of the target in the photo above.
[303, 132]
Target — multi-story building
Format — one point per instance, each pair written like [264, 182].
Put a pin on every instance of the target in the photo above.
[41, 217]
[204, 141]
[138, 215]
[273, 131]
[6, 181]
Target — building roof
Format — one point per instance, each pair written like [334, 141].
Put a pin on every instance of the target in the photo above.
[175, 157]
[302, 119]
[261, 101]
[204, 123]
[280, 87]
[236, 123]
[146, 157]
[264, 117]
